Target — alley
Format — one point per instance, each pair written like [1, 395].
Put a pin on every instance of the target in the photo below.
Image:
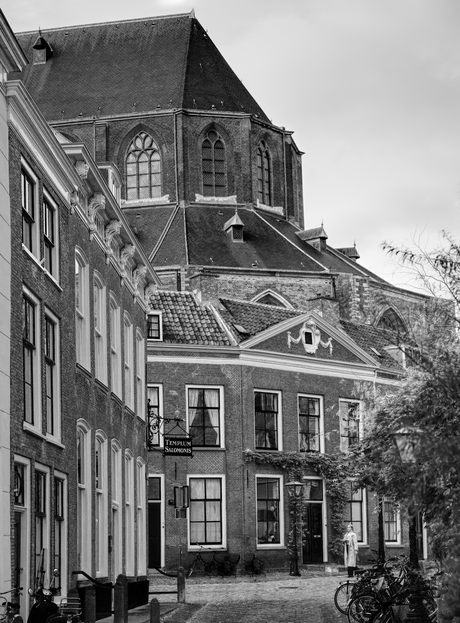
[276, 598]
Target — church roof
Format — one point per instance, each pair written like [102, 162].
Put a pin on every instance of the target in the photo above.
[140, 65]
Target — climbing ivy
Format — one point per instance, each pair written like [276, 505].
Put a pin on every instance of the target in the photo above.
[335, 472]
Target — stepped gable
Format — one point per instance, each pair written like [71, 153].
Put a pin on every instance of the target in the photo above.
[371, 339]
[156, 63]
[185, 321]
[209, 245]
[253, 317]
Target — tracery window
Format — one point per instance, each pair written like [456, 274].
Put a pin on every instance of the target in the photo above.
[391, 321]
[263, 175]
[143, 168]
[213, 161]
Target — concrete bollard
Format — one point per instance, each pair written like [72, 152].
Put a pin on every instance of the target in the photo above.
[181, 585]
[90, 604]
[154, 611]
[120, 600]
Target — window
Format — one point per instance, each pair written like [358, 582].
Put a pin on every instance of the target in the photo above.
[355, 512]
[214, 166]
[115, 346]
[31, 359]
[82, 310]
[84, 495]
[116, 540]
[155, 406]
[263, 175]
[100, 468]
[28, 201]
[206, 511]
[129, 367]
[100, 330]
[269, 510]
[204, 410]
[310, 423]
[391, 522]
[41, 525]
[52, 375]
[21, 532]
[140, 374]
[141, 541]
[59, 507]
[50, 233]
[154, 327]
[267, 420]
[129, 513]
[143, 168]
[350, 423]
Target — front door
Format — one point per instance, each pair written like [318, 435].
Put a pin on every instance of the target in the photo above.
[155, 530]
[313, 533]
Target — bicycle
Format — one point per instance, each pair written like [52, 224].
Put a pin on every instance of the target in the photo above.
[255, 566]
[9, 611]
[208, 564]
[226, 564]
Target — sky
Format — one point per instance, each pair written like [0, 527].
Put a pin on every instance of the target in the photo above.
[370, 88]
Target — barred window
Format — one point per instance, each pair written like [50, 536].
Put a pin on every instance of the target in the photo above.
[213, 160]
[143, 168]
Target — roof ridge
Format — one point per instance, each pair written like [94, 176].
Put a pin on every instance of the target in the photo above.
[190, 14]
[274, 307]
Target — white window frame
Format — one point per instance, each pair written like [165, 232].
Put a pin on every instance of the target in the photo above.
[115, 346]
[321, 421]
[117, 505]
[128, 354]
[56, 372]
[281, 544]
[84, 507]
[26, 520]
[36, 425]
[35, 228]
[397, 542]
[343, 423]
[159, 315]
[100, 328]
[63, 529]
[140, 374]
[43, 469]
[220, 388]
[141, 541]
[279, 423]
[101, 503]
[82, 328]
[130, 546]
[364, 541]
[217, 546]
[54, 254]
[159, 388]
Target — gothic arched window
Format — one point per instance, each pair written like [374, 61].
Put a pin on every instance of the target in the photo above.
[143, 168]
[214, 165]
[263, 175]
[391, 321]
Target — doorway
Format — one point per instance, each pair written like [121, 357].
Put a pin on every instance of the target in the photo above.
[312, 533]
[155, 543]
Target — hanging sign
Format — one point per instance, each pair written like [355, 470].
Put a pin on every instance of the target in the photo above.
[178, 446]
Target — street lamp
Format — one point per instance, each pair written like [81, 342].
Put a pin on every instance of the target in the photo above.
[295, 491]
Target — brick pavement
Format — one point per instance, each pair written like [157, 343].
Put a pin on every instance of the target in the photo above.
[275, 598]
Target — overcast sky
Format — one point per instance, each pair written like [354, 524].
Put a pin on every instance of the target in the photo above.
[371, 89]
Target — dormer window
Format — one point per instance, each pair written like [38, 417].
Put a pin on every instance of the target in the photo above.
[155, 326]
[234, 227]
[42, 50]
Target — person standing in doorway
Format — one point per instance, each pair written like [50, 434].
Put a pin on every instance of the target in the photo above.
[350, 550]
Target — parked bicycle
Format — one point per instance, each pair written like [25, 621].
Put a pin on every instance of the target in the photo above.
[215, 563]
[9, 610]
[255, 566]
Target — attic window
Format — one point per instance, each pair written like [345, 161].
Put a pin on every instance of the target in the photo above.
[42, 50]
[155, 326]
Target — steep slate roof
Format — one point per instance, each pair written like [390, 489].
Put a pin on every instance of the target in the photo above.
[165, 62]
[369, 338]
[253, 317]
[185, 321]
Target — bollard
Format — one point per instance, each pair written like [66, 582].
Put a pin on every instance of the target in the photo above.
[90, 604]
[154, 611]
[181, 585]
[120, 600]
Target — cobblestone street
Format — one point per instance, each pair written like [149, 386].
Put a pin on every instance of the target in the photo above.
[275, 598]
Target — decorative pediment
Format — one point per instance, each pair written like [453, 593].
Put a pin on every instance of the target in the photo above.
[310, 338]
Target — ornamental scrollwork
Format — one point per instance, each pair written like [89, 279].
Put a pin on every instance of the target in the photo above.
[112, 228]
[96, 203]
[126, 253]
[138, 274]
[310, 338]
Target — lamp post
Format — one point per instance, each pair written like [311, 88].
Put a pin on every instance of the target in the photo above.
[295, 490]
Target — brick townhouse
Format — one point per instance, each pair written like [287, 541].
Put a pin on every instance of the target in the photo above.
[212, 190]
[79, 286]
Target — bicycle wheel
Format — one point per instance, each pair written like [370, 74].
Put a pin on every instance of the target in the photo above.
[384, 616]
[191, 569]
[362, 607]
[342, 596]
